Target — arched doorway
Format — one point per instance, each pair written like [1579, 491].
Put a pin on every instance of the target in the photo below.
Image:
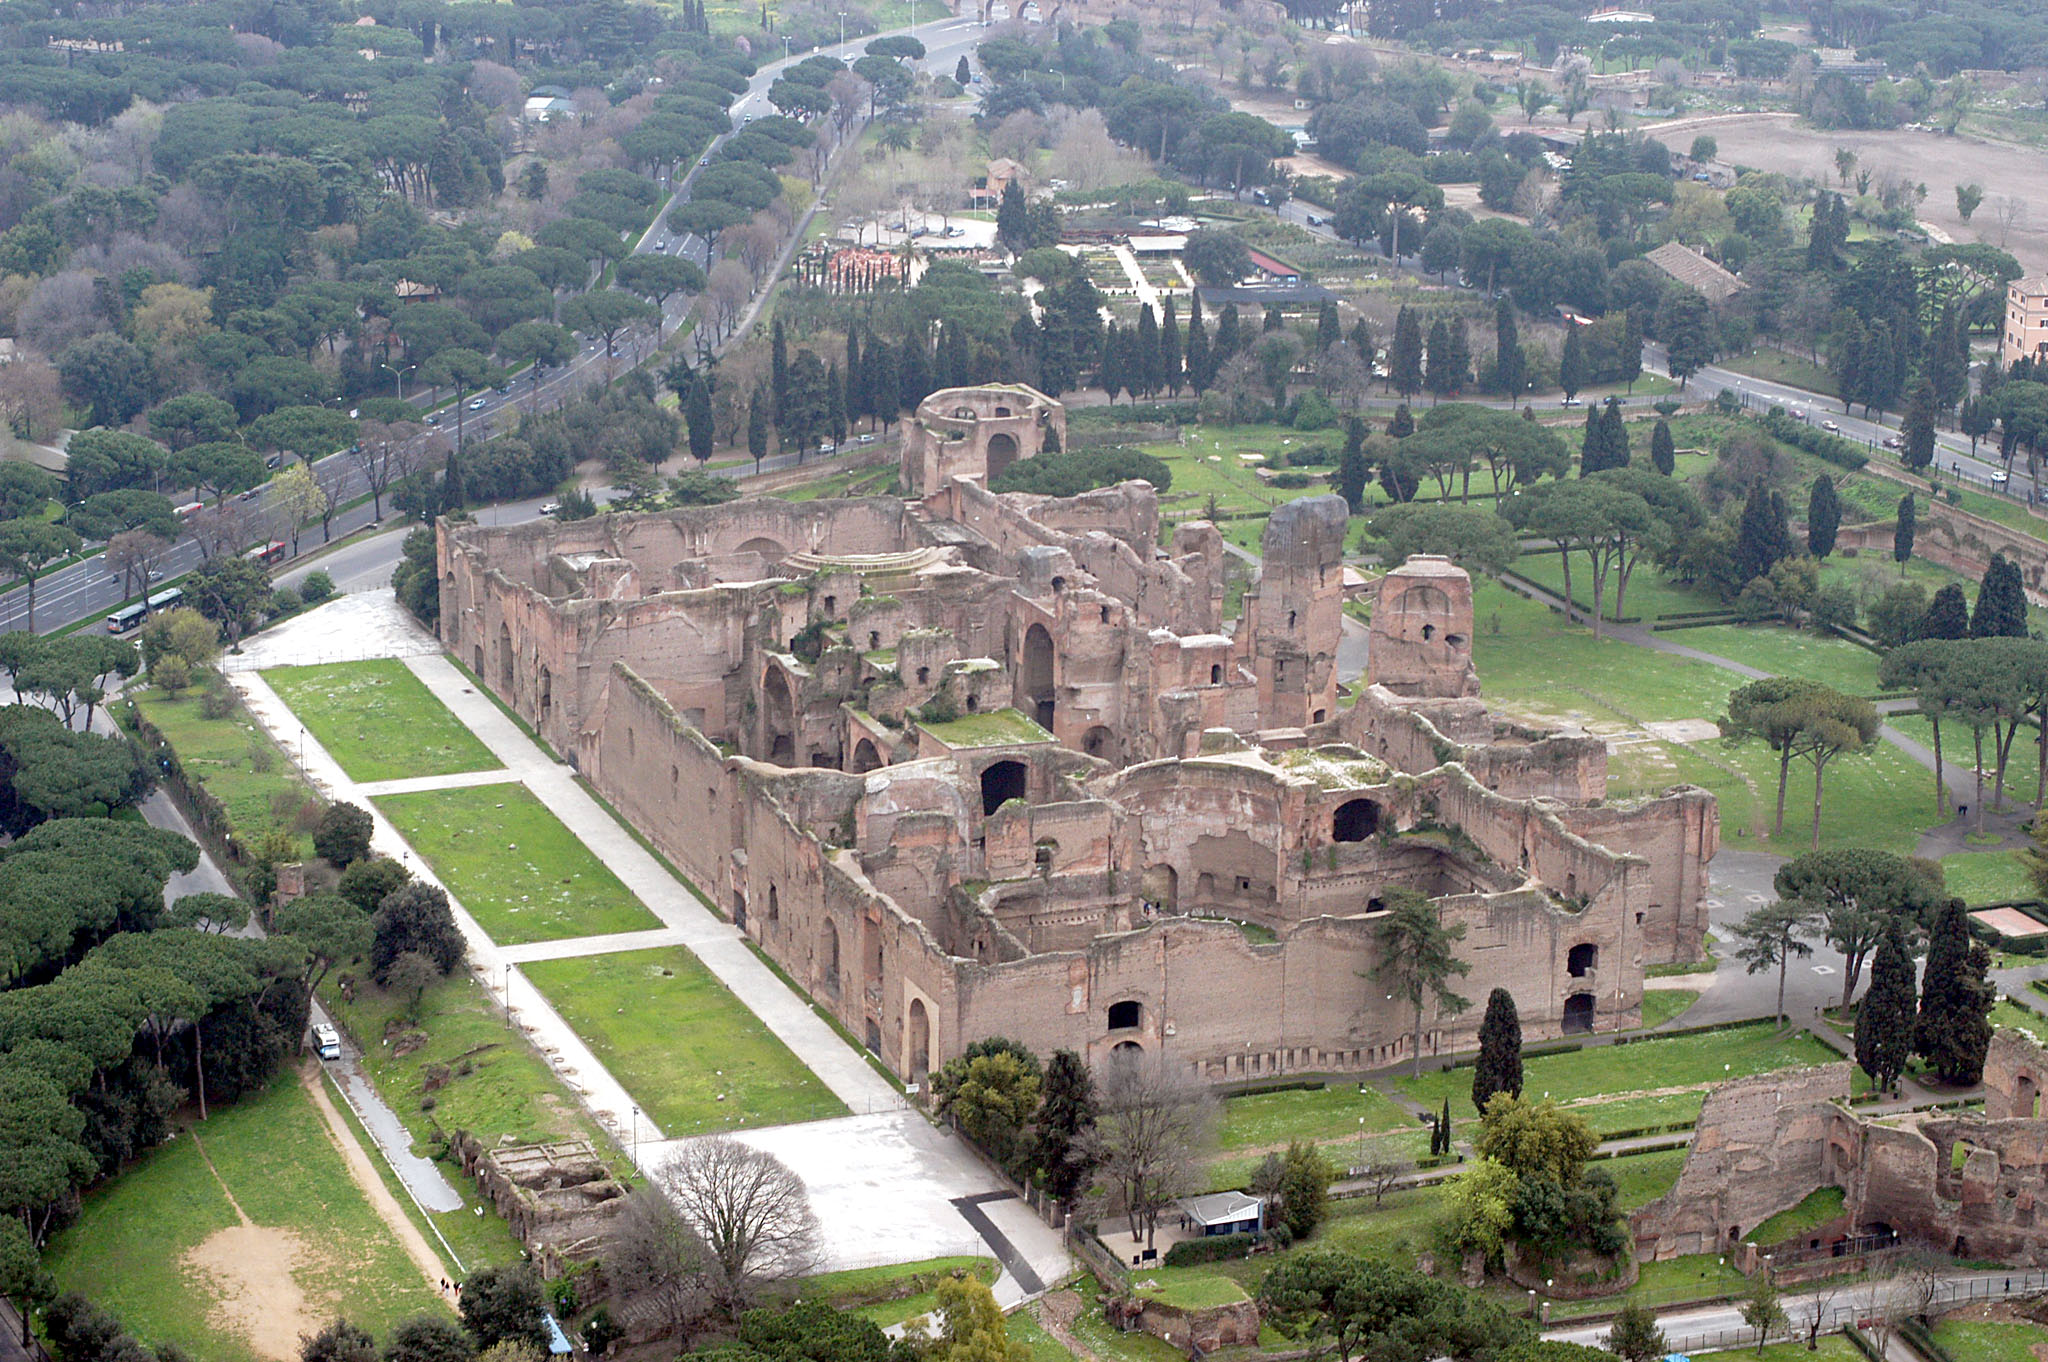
[1034, 676]
[1582, 960]
[769, 549]
[865, 757]
[547, 693]
[1162, 888]
[778, 718]
[830, 958]
[1354, 821]
[1127, 1049]
[919, 1040]
[1002, 452]
[1099, 741]
[505, 658]
[2026, 1098]
[1002, 782]
[1578, 1014]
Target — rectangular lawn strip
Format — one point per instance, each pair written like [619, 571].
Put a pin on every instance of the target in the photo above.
[272, 1151]
[1987, 877]
[379, 721]
[1667, 1062]
[1791, 652]
[236, 762]
[491, 1082]
[681, 1042]
[1660, 1005]
[1264, 1120]
[1976, 1340]
[521, 873]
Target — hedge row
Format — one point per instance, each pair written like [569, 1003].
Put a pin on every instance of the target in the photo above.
[1815, 441]
[1214, 1248]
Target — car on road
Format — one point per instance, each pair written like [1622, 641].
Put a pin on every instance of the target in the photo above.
[2000, 477]
[1314, 221]
[865, 440]
[661, 246]
[326, 1041]
[1892, 442]
[1830, 427]
[550, 508]
[1572, 402]
[477, 403]
[433, 418]
[705, 162]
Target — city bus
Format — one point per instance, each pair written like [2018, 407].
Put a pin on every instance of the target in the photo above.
[273, 552]
[121, 621]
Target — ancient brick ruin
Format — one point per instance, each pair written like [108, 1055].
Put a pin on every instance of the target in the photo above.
[974, 764]
[1963, 1183]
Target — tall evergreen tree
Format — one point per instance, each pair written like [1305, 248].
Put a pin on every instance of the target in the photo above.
[1631, 359]
[2001, 601]
[1949, 367]
[1902, 535]
[1499, 1068]
[1571, 365]
[1353, 469]
[1458, 362]
[1592, 444]
[952, 367]
[1229, 339]
[453, 494]
[697, 415]
[1199, 371]
[1761, 539]
[1275, 319]
[962, 73]
[1948, 614]
[1328, 329]
[856, 377]
[835, 403]
[1065, 1121]
[1147, 370]
[1663, 450]
[1436, 376]
[1013, 219]
[1110, 375]
[778, 372]
[1403, 423]
[1404, 361]
[879, 364]
[1953, 1030]
[1917, 430]
[1169, 351]
[1362, 341]
[757, 426]
[1823, 517]
[1509, 369]
[1885, 1019]
[913, 374]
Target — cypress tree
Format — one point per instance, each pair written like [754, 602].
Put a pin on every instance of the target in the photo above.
[1571, 365]
[879, 364]
[1948, 615]
[1013, 221]
[1404, 362]
[1110, 375]
[697, 415]
[1617, 434]
[913, 375]
[856, 377]
[1902, 535]
[1353, 468]
[1916, 443]
[1362, 342]
[757, 426]
[1885, 1019]
[1663, 451]
[1499, 1068]
[1328, 329]
[963, 75]
[1823, 517]
[1444, 1123]
[1459, 361]
[1403, 424]
[1169, 351]
[952, 369]
[1436, 378]
[778, 371]
[1198, 347]
[1147, 370]
[835, 404]
[1953, 1029]
[1228, 339]
[2001, 602]
[1757, 540]
[453, 494]
[1631, 349]
[1066, 1118]
[1508, 368]
[1592, 444]
[1275, 319]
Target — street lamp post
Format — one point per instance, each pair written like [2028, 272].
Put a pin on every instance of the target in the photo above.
[398, 375]
[636, 1137]
[842, 33]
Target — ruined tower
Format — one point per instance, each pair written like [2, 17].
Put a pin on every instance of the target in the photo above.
[1296, 615]
[1422, 631]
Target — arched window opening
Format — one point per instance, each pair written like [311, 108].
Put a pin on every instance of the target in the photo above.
[1002, 782]
[1354, 821]
[1578, 1014]
[775, 914]
[973, 704]
[924, 676]
[1582, 960]
[831, 960]
[1128, 1015]
[1215, 673]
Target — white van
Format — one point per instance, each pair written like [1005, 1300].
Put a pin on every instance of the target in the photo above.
[326, 1041]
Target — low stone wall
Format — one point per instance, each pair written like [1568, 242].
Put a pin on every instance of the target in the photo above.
[1216, 1326]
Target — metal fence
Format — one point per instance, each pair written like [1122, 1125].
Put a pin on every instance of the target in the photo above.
[1868, 1308]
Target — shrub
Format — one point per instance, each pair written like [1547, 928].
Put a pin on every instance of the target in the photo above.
[414, 918]
[218, 702]
[317, 587]
[1070, 474]
[171, 674]
[284, 600]
[343, 835]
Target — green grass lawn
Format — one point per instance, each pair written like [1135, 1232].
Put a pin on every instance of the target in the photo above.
[688, 1050]
[379, 721]
[519, 871]
[1790, 652]
[1195, 1291]
[1667, 1062]
[1269, 1119]
[1987, 877]
[1642, 1178]
[1532, 663]
[236, 762]
[1660, 1005]
[272, 1152]
[1818, 1207]
[1024, 1328]
[1775, 366]
[497, 1084]
[1831, 1348]
[1989, 1341]
[893, 1294]
[1700, 1276]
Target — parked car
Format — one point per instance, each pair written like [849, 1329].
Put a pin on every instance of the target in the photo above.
[273, 461]
[2000, 477]
[550, 508]
[326, 1041]
[1830, 427]
[1314, 221]
[1893, 442]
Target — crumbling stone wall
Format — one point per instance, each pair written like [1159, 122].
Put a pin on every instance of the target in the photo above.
[559, 1198]
[976, 433]
[1422, 631]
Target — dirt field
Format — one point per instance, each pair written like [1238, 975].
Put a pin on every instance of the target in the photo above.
[1777, 142]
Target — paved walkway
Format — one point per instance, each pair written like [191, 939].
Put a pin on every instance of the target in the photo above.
[887, 1185]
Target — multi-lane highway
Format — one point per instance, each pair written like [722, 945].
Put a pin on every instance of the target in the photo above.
[89, 590]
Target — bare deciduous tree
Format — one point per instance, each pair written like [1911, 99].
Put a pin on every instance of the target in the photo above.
[1155, 1123]
[654, 1256]
[2012, 216]
[750, 1210]
[384, 453]
[31, 400]
[131, 553]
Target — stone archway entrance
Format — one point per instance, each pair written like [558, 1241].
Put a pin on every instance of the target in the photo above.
[778, 718]
[865, 757]
[919, 1040]
[1034, 676]
[1578, 1014]
[1002, 452]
